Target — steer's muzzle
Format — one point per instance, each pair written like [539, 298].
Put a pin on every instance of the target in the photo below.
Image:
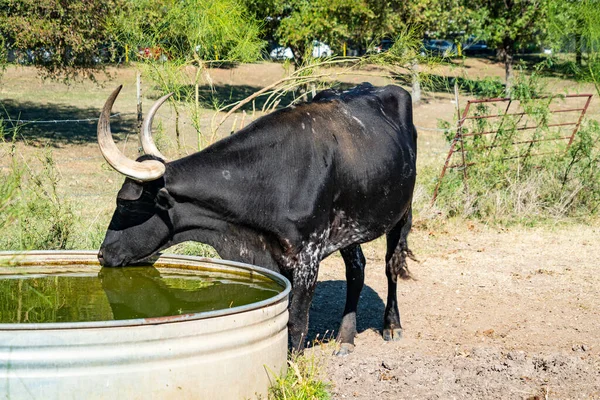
[101, 257]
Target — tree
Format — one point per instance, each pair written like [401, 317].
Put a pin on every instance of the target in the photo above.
[505, 24]
[574, 21]
[62, 37]
[358, 23]
[508, 25]
[182, 37]
[578, 22]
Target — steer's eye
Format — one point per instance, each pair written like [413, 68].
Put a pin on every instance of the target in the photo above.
[133, 208]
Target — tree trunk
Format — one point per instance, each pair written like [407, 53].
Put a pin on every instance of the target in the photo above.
[416, 83]
[298, 53]
[578, 49]
[508, 53]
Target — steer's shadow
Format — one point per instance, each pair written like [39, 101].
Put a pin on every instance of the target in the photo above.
[328, 305]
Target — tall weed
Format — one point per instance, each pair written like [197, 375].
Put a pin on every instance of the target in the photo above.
[302, 381]
[33, 215]
[9, 184]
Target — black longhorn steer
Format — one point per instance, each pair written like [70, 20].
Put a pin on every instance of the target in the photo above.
[283, 193]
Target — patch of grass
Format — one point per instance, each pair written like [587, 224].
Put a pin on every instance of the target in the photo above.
[302, 381]
[487, 87]
[9, 184]
[193, 249]
[34, 216]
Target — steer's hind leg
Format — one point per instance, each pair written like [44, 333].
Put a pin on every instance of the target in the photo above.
[355, 278]
[395, 265]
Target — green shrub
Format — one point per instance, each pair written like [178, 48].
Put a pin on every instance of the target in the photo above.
[9, 184]
[33, 214]
[302, 381]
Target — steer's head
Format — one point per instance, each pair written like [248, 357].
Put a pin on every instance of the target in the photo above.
[141, 224]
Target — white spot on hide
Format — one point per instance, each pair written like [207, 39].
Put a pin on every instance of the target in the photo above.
[359, 122]
[244, 250]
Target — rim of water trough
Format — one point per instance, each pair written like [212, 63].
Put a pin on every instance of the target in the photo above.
[174, 261]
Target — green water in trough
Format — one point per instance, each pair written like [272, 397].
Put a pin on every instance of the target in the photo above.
[87, 294]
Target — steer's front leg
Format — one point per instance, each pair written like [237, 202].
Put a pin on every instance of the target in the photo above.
[304, 281]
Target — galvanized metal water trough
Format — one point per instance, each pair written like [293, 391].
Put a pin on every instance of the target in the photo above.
[223, 354]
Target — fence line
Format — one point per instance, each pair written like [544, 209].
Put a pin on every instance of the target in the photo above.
[61, 121]
[421, 128]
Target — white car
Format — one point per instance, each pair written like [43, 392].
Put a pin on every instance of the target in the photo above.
[320, 49]
[281, 53]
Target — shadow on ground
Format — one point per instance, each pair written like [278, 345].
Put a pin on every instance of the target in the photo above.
[219, 95]
[328, 306]
[15, 114]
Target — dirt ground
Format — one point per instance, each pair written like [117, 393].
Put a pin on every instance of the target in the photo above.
[490, 313]
[510, 314]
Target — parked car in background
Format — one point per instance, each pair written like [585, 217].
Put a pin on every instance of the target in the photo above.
[281, 53]
[30, 56]
[475, 47]
[438, 47]
[319, 49]
[19, 56]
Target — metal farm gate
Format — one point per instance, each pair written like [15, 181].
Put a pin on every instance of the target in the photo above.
[487, 120]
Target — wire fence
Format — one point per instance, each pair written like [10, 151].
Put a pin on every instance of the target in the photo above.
[60, 121]
[422, 128]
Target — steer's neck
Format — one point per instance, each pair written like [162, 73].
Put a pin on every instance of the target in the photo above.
[229, 178]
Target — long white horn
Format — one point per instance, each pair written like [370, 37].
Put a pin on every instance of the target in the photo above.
[146, 133]
[148, 170]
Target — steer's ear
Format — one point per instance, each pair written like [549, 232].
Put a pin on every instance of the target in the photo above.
[164, 200]
[131, 190]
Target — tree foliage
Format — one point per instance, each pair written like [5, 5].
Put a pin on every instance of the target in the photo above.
[62, 37]
[355, 23]
[206, 30]
[509, 25]
[179, 38]
[506, 25]
[576, 23]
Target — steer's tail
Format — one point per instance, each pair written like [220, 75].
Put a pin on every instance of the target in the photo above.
[398, 250]
[402, 267]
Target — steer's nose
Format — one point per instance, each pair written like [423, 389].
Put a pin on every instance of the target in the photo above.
[101, 257]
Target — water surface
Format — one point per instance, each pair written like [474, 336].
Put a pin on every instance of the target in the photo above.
[124, 293]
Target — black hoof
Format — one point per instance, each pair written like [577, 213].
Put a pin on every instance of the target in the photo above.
[390, 335]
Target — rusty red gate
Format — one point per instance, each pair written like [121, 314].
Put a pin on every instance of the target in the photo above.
[522, 121]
